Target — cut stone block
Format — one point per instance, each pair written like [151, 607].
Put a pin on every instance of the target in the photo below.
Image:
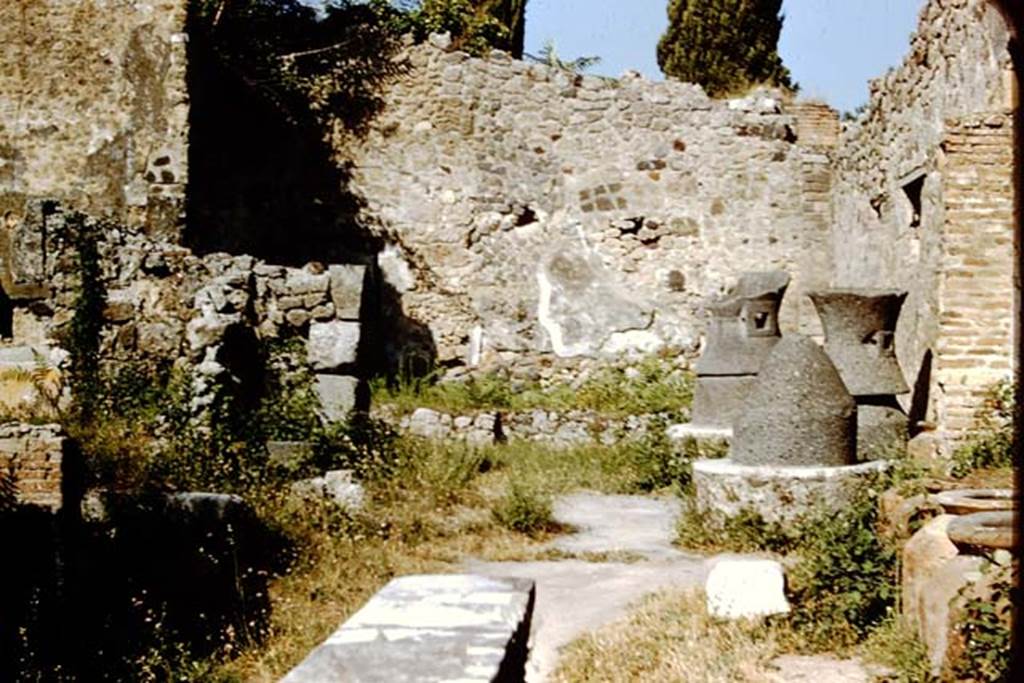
[347, 284]
[429, 628]
[739, 588]
[336, 486]
[333, 345]
[337, 394]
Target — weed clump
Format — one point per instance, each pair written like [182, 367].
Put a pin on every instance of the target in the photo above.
[525, 510]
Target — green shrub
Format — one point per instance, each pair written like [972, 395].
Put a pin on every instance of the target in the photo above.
[524, 510]
[844, 579]
[991, 446]
[986, 632]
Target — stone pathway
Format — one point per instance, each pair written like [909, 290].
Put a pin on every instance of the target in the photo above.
[574, 596]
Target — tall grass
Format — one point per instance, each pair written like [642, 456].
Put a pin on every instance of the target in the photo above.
[652, 386]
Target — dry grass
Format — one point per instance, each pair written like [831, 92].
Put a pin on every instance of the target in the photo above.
[428, 519]
[670, 637]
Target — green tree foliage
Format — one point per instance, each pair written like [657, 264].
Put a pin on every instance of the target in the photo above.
[724, 45]
[305, 64]
[475, 26]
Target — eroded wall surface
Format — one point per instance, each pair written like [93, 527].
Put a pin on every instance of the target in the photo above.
[94, 107]
[904, 173]
[537, 213]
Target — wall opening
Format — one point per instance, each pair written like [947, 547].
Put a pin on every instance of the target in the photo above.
[912, 189]
[6, 317]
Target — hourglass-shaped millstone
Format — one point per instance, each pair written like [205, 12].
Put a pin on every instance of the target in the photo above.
[860, 329]
[860, 332]
[799, 412]
[742, 330]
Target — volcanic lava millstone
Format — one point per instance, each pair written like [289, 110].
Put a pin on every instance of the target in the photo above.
[742, 330]
[860, 332]
[799, 411]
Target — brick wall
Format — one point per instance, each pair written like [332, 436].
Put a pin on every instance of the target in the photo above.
[896, 167]
[977, 297]
[34, 455]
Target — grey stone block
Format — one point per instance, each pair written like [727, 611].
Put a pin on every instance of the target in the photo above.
[429, 628]
[337, 394]
[332, 345]
[347, 290]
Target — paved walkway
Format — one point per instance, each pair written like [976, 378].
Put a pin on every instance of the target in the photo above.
[575, 596]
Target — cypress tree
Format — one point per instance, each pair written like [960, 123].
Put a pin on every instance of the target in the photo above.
[724, 45]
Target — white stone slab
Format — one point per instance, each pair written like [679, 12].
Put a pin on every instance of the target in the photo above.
[679, 432]
[449, 627]
[739, 588]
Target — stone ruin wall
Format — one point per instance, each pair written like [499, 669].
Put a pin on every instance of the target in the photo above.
[94, 113]
[535, 214]
[937, 133]
[94, 108]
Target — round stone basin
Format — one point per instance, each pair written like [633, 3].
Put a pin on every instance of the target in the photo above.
[984, 531]
[969, 501]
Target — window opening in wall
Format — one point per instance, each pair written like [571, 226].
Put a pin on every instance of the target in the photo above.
[913, 191]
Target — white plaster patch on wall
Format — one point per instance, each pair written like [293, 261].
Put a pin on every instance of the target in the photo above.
[550, 324]
[395, 268]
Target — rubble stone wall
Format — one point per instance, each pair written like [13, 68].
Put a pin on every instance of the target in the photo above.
[536, 212]
[899, 199]
[94, 107]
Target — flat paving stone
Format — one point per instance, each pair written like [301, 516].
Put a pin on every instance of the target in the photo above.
[575, 596]
[631, 524]
[821, 669]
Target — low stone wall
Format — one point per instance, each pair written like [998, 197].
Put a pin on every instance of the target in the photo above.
[34, 456]
[430, 628]
[569, 428]
[162, 302]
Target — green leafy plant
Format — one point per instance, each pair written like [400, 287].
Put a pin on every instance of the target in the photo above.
[845, 583]
[986, 633]
[844, 579]
[475, 26]
[991, 445]
[549, 57]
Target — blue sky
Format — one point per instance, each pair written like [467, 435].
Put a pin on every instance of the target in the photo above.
[832, 47]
